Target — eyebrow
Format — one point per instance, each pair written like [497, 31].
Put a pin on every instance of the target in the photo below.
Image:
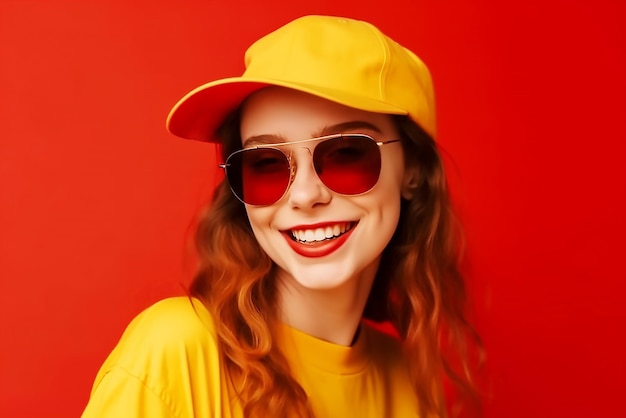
[356, 125]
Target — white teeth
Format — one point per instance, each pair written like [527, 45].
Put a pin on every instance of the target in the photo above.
[320, 234]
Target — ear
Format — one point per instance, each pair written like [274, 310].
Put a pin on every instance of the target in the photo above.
[410, 182]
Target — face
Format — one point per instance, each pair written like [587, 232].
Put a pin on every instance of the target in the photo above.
[320, 239]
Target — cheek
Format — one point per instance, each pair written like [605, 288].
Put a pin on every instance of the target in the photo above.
[384, 201]
[387, 197]
[393, 167]
[260, 221]
[390, 212]
[390, 182]
[255, 218]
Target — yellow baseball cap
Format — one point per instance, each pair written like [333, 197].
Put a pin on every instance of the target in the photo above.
[343, 60]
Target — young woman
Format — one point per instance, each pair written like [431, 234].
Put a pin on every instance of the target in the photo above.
[333, 215]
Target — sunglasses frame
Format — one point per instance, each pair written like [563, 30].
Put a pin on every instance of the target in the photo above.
[292, 166]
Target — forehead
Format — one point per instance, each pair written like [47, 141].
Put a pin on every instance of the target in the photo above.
[293, 115]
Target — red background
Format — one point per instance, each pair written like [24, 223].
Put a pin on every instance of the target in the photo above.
[96, 197]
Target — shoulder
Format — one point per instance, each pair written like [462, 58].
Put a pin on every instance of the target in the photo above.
[167, 363]
[178, 316]
[169, 331]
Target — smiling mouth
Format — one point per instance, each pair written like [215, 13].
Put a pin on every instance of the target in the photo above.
[308, 236]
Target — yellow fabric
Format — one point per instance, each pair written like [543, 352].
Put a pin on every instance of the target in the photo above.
[346, 61]
[167, 364]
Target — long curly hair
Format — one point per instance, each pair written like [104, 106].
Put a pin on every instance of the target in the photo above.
[419, 290]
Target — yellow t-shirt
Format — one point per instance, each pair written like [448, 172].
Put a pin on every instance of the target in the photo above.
[167, 364]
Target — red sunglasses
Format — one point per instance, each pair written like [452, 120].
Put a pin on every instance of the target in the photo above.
[348, 164]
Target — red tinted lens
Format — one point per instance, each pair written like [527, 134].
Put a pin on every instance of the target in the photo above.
[258, 176]
[349, 164]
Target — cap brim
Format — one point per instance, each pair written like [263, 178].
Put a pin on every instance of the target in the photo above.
[201, 111]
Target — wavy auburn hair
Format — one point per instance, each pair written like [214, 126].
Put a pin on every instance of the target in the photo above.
[419, 289]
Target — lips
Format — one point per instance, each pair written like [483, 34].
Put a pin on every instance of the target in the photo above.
[319, 240]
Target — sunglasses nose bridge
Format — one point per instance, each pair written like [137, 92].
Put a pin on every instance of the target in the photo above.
[306, 189]
[292, 160]
[293, 164]
[293, 167]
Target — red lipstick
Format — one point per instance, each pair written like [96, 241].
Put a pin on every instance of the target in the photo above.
[317, 248]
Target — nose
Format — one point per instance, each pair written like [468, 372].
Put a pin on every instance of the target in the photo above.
[306, 190]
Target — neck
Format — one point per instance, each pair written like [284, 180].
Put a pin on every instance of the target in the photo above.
[333, 314]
